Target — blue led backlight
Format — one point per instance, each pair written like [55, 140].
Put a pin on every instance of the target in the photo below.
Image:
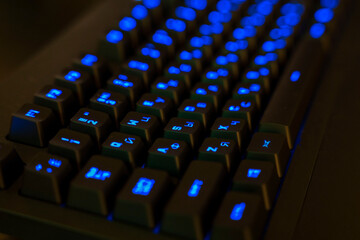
[260, 60]
[245, 104]
[212, 75]
[213, 88]
[32, 113]
[89, 60]
[196, 42]
[268, 46]
[54, 162]
[104, 98]
[223, 6]
[175, 25]
[231, 46]
[221, 60]
[185, 68]
[143, 186]
[153, 53]
[69, 140]
[185, 13]
[201, 91]
[234, 108]
[239, 33]
[295, 75]
[162, 37]
[253, 173]
[139, 12]
[243, 91]
[122, 83]
[127, 24]
[255, 87]
[317, 30]
[138, 65]
[231, 57]
[185, 55]
[196, 4]
[324, 15]
[242, 44]
[72, 76]
[271, 57]
[115, 144]
[95, 173]
[223, 72]
[150, 4]
[189, 109]
[252, 75]
[38, 167]
[264, 71]
[266, 143]
[195, 188]
[264, 8]
[205, 29]
[238, 211]
[329, 3]
[54, 93]
[212, 149]
[148, 103]
[114, 36]
[221, 127]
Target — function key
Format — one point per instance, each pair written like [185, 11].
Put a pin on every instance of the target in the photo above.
[11, 165]
[112, 103]
[187, 130]
[197, 110]
[95, 66]
[231, 128]
[60, 100]
[250, 91]
[75, 146]
[143, 125]
[161, 107]
[170, 155]
[128, 85]
[79, 82]
[114, 46]
[191, 207]
[143, 197]
[181, 71]
[246, 109]
[208, 92]
[33, 125]
[257, 177]
[270, 147]
[96, 124]
[96, 184]
[47, 178]
[170, 88]
[241, 215]
[143, 69]
[126, 147]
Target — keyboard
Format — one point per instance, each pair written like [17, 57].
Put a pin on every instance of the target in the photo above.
[175, 120]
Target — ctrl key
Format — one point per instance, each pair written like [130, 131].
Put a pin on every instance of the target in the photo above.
[241, 216]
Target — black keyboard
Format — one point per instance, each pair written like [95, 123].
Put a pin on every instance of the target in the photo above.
[178, 123]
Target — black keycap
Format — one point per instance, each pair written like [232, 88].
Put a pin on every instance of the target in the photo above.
[191, 207]
[112, 103]
[269, 147]
[143, 69]
[208, 92]
[159, 106]
[241, 216]
[131, 31]
[257, 177]
[220, 150]
[143, 197]
[177, 29]
[219, 76]
[114, 46]
[143, 125]
[150, 53]
[75, 146]
[250, 91]
[182, 72]
[95, 66]
[47, 178]
[195, 58]
[96, 124]
[170, 155]
[204, 43]
[254, 76]
[187, 130]
[170, 88]
[231, 128]
[33, 125]
[128, 85]
[239, 48]
[11, 165]
[79, 82]
[126, 147]
[244, 109]
[230, 62]
[94, 188]
[61, 100]
[162, 40]
[197, 110]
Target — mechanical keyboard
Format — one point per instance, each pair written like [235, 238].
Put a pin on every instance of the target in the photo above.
[175, 120]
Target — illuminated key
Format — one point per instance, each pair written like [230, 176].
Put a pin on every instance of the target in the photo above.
[61, 100]
[126, 84]
[229, 61]
[33, 125]
[261, 76]
[150, 53]
[189, 211]
[246, 109]
[79, 82]
[204, 43]
[126, 147]
[270, 147]
[143, 125]
[114, 46]
[142, 198]
[241, 215]
[182, 72]
[170, 88]
[131, 30]
[197, 110]
[193, 57]
[208, 92]
[250, 91]
[11, 165]
[170, 155]
[164, 41]
[96, 124]
[159, 106]
[218, 76]
[47, 178]
[96, 184]
[143, 18]
[257, 177]
[143, 69]
[187, 130]
[75, 146]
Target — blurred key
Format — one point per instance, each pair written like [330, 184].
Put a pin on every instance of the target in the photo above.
[250, 91]
[128, 85]
[126, 147]
[61, 100]
[187, 130]
[75, 146]
[114, 46]
[230, 61]
[170, 88]
[219, 76]
[192, 206]
[204, 43]
[161, 107]
[170, 155]
[94, 188]
[130, 29]
[47, 178]
[177, 29]
[11, 165]
[241, 216]
[197, 110]
[143, 18]
[33, 125]
[96, 124]
[234, 108]
[208, 92]
[269, 147]
[149, 52]
[79, 82]
[257, 177]
[163, 41]
[143, 125]
[143, 197]
[259, 76]
[195, 58]
[182, 72]
[143, 69]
